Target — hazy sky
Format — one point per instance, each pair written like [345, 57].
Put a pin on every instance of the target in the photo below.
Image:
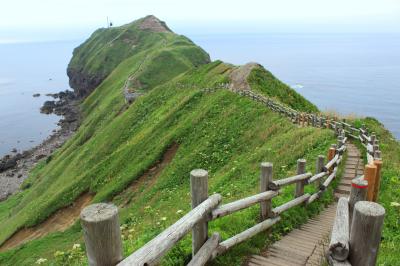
[24, 18]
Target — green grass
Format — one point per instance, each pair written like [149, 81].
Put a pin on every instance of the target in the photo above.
[263, 81]
[222, 132]
[389, 192]
[106, 48]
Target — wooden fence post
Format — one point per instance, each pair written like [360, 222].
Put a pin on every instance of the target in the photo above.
[340, 141]
[372, 138]
[358, 192]
[199, 191]
[366, 230]
[301, 169]
[102, 234]
[265, 179]
[370, 175]
[319, 168]
[378, 164]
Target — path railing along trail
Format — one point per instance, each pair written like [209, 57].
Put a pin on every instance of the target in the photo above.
[101, 226]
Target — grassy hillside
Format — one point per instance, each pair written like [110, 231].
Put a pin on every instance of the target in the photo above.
[139, 156]
[221, 132]
[389, 195]
[262, 81]
[98, 56]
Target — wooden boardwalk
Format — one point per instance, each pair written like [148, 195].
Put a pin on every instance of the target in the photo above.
[307, 244]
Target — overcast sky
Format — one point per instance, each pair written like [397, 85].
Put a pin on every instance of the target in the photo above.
[73, 18]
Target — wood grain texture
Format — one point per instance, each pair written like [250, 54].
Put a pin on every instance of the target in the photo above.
[205, 252]
[238, 205]
[339, 244]
[366, 230]
[100, 224]
[265, 180]
[153, 251]
[199, 192]
[301, 169]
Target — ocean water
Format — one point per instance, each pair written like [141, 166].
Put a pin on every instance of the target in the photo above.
[26, 69]
[350, 73]
[357, 74]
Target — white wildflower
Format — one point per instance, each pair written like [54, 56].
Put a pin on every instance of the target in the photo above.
[395, 204]
[76, 246]
[41, 261]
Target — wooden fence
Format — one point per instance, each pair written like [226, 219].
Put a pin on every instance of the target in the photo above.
[101, 226]
[358, 225]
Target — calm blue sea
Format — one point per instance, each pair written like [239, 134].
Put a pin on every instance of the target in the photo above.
[349, 73]
[25, 69]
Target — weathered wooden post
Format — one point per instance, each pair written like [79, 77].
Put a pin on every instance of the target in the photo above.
[199, 191]
[377, 155]
[265, 179]
[319, 168]
[301, 169]
[339, 244]
[370, 175]
[378, 164]
[358, 192]
[100, 224]
[366, 230]
[340, 141]
[372, 138]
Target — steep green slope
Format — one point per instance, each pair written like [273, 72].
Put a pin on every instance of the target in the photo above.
[149, 38]
[222, 132]
[261, 80]
[389, 195]
[117, 143]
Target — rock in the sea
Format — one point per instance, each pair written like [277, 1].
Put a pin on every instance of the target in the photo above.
[48, 107]
[36, 95]
[14, 150]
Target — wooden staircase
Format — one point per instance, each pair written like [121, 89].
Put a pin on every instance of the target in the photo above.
[307, 245]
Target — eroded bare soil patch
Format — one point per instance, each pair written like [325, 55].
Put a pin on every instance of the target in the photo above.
[59, 221]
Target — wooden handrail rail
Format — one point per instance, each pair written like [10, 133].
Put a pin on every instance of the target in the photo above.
[241, 204]
[277, 184]
[210, 209]
[152, 252]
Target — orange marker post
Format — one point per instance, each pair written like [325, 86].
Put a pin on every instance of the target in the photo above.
[370, 175]
[331, 154]
[378, 164]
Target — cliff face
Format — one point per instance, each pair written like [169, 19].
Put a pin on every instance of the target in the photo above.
[83, 83]
[98, 56]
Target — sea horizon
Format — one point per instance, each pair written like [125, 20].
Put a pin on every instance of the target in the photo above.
[322, 67]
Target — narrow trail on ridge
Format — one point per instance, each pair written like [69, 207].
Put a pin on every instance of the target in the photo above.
[308, 244]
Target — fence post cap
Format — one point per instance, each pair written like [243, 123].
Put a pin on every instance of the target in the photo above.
[199, 173]
[301, 160]
[359, 182]
[369, 208]
[266, 164]
[99, 212]
[369, 166]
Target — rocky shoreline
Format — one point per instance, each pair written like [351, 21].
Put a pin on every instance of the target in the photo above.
[14, 169]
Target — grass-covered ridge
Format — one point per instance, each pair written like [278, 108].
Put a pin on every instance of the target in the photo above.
[157, 53]
[107, 155]
[221, 132]
[117, 144]
[262, 81]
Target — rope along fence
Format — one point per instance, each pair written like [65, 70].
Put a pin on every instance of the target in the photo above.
[100, 222]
